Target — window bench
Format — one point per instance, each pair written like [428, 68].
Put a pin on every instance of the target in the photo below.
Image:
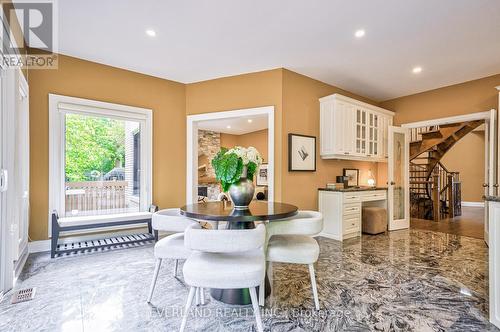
[92, 222]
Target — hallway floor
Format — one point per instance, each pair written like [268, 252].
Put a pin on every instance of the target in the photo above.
[409, 280]
[470, 223]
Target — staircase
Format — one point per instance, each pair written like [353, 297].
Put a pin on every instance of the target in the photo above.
[434, 190]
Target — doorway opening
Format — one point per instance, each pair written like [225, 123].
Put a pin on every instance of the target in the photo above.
[209, 132]
[452, 166]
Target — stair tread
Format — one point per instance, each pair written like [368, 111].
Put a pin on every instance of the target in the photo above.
[429, 131]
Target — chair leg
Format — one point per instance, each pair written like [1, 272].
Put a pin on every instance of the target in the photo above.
[176, 267]
[313, 284]
[202, 296]
[189, 302]
[155, 277]
[262, 293]
[197, 296]
[256, 309]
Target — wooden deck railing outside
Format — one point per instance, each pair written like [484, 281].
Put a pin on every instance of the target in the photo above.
[95, 197]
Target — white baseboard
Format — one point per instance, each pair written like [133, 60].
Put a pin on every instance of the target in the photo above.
[38, 246]
[19, 264]
[473, 204]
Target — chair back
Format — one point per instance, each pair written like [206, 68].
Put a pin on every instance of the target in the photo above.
[224, 241]
[303, 223]
[170, 220]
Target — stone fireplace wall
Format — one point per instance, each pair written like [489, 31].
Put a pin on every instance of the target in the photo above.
[208, 147]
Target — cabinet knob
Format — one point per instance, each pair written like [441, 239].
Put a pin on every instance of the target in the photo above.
[393, 183]
[495, 185]
[485, 185]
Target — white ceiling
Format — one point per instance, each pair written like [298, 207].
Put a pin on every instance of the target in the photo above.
[453, 40]
[238, 126]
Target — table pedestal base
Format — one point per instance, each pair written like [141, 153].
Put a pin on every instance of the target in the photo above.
[237, 296]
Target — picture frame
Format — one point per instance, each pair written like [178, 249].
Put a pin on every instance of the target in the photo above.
[301, 153]
[352, 175]
[262, 175]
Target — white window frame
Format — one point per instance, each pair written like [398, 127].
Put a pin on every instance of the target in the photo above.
[59, 106]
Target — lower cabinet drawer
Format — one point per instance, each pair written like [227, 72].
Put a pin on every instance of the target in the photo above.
[351, 198]
[351, 223]
[376, 195]
[352, 208]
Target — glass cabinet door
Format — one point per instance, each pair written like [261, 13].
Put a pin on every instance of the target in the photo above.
[373, 135]
[361, 125]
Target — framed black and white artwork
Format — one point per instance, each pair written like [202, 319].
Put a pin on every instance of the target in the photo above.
[352, 176]
[301, 153]
[262, 175]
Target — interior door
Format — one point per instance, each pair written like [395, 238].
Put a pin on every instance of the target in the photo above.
[398, 178]
[22, 167]
[490, 172]
[7, 166]
[3, 189]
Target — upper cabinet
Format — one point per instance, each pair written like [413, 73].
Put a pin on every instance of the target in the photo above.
[351, 129]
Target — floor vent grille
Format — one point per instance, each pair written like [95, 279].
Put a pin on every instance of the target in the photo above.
[23, 295]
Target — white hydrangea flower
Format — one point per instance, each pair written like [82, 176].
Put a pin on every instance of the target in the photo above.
[247, 155]
[254, 155]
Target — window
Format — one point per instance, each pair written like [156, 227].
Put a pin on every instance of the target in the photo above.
[100, 157]
[101, 165]
[136, 163]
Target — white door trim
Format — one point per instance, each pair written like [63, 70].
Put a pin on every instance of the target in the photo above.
[448, 120]
[60, 105]
[192, 146]
[494, 262]
[405, 222]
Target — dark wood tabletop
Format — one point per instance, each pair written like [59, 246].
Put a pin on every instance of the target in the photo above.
[224, 211]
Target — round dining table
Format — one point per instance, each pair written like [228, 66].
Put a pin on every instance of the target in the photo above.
[239, 219]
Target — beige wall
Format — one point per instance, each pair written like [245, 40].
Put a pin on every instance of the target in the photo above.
[257, 139]
[467, 157]
[239, 92]
[85, 79]
[469, 97]
[301, 116]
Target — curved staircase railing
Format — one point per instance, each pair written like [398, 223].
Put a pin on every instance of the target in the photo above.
[435, 192]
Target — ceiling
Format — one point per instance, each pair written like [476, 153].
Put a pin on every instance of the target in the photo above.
[452, 40]
[237, 126]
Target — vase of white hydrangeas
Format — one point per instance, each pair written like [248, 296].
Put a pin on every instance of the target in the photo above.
[235, 169]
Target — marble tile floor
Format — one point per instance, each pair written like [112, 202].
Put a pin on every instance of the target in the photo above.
[409, 280]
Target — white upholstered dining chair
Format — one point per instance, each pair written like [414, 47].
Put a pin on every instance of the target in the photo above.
[224, 259]
[172, 246]
[290, 241]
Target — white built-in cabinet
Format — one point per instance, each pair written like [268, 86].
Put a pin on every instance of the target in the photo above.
[351, 129]
[342, 211]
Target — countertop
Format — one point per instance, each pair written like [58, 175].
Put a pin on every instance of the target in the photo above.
[355, 189]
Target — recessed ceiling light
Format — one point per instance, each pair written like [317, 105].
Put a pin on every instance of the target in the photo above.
[359, 33]
[150, 33]
[416, 70]
[250, 120]
[228, 127]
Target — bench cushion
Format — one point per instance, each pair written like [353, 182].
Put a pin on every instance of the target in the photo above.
[109, 218]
